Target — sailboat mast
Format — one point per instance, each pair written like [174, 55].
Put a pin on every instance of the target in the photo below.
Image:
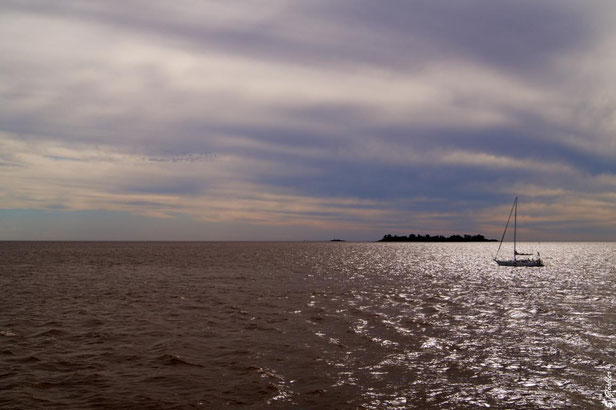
[515, 228]
[505, 231]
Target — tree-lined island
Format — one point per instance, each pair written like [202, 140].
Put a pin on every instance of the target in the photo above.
[436, 238]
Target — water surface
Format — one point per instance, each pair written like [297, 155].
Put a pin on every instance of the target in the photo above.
[308, 325]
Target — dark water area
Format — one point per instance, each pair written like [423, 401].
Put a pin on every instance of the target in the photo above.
[304, 325]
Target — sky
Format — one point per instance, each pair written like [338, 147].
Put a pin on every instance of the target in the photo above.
[306, 120]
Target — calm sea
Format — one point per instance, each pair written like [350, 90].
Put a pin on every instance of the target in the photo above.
[304, 325]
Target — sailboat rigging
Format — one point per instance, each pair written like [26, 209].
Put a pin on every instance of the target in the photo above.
[516, 261]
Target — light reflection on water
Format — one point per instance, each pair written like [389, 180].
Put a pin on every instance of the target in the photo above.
[441, 324]
[305, 324]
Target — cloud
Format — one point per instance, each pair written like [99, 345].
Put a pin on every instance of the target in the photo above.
[312, 115]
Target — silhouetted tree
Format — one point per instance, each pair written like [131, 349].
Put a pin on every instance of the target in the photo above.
[437, 238]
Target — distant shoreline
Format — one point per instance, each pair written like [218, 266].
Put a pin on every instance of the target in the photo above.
[436, 238]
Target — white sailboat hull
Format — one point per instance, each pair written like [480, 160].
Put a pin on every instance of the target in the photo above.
[521, 262]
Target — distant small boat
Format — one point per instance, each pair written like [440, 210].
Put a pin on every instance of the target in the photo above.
[536, 261]
[337, 240]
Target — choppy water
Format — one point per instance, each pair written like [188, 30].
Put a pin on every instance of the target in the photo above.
[308, 325]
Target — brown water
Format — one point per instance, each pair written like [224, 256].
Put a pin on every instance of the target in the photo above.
[306, 325]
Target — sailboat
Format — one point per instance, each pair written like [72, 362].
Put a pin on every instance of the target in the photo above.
[524, 261]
